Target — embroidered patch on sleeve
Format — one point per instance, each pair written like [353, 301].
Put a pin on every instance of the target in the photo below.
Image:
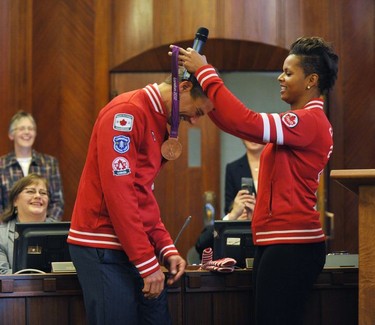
[290, 119]
[121, 143]
[120, 166]
[123, 122]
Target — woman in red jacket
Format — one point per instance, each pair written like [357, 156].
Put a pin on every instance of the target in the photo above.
[286, 226]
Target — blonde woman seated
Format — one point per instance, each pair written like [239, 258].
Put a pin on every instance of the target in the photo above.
[28, 202]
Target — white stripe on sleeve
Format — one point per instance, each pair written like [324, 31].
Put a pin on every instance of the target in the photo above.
[279, 129]
[266, 127]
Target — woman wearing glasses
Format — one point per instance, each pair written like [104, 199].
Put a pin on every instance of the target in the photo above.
[28, 202]
[24, 160]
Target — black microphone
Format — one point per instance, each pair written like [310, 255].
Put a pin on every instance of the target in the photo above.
[187, 221]
[199, 41]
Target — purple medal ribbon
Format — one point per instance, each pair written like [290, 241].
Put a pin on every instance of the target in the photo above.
[171, 149]
[175, 114]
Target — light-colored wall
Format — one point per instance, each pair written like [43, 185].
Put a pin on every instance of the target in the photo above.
[260, 91]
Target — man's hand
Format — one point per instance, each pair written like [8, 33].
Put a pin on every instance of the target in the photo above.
[176, 266]
[153, 284]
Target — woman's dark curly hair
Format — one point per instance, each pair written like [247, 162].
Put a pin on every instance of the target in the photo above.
[317, 56]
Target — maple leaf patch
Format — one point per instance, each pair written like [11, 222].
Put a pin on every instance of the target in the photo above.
[290, 119]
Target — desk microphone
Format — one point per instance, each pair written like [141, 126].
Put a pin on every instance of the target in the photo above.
[187, 221]
[199, 41]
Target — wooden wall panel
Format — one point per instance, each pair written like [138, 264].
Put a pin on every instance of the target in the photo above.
[353, 114]
[20, 55]
[47, 46]
[70, 81]
[5, 71]
[102, 39]
[250, 20]
[132, 26]
[179, 20]
[143, 25]
[15, 64]
[224, 54]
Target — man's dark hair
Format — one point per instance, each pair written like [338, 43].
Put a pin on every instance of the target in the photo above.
[196, 91]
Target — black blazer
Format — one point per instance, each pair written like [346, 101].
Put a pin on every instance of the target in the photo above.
[233, 174]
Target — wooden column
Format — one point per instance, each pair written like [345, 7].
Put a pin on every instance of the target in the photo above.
[362, 182]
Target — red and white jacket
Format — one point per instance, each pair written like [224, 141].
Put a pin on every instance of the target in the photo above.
[115, 206]
[299, 146]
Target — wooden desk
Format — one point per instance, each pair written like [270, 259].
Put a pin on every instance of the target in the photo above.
[227, 298]
[41, 299]
[362, 182]
[201, 297]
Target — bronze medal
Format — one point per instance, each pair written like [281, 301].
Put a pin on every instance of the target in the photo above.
[171, 149]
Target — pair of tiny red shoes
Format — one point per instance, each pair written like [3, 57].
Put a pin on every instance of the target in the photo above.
[223, 265]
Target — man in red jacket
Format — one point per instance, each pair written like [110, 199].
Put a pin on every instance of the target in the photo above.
[117, 238]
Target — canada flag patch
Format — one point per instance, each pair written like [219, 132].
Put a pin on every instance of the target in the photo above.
[123, 122]
[290, 119]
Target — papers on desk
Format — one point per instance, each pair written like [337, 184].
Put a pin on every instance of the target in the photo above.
[63, 267]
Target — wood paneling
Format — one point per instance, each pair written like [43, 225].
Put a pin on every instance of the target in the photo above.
[70, 81]
[15, 64]
[224, 54]
[5, 71]
[352, 109]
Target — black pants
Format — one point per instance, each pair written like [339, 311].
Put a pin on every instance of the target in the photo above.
[283, 276]
[112, 289]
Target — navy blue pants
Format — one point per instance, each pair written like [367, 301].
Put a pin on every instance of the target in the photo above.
[283, 276]
[112, 289]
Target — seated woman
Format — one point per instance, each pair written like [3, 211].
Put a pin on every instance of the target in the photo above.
[28, 202]
[242, 209]
[239, 203]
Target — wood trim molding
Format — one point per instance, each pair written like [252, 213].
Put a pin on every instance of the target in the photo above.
[224, 54]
